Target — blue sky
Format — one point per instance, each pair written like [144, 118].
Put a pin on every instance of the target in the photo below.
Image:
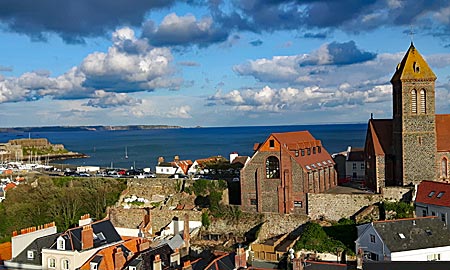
[212, 63]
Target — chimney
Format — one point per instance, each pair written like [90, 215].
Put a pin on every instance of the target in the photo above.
[187, 265]
[160, 160]
[186, 232]
[85, 220]
[119, 259]
[87, 237]
[240, 259]
[176, 158]
[233, 156]
[297, 264]
[144, 246]
[175, 258]
[147, 228]
[157, 263]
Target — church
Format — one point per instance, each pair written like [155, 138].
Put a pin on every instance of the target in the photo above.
[415, 144]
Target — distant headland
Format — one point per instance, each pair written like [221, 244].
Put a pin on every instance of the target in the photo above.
[84, 128]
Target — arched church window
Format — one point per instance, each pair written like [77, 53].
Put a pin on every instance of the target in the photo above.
[444, 164]
[423, 101]
[414, 101]
[272, 167]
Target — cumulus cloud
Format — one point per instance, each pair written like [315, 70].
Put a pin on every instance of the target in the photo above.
[129, 65]
[108, 99]
[73, 20]
[179, 112]
[315, 98]
[185, 30]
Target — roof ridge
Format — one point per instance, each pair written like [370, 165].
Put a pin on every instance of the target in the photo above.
[403, 219]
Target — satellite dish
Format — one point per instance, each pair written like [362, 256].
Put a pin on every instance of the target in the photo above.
[291, 256]
[291, 251]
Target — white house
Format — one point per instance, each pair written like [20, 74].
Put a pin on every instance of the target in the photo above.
[354, 163]
[411, 239]
[433, 199]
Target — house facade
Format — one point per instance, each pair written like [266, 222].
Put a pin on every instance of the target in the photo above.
[415, 144]
[433, 199]
[283, 170]
[412, 239]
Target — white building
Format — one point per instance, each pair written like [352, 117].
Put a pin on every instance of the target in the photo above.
[411, 239]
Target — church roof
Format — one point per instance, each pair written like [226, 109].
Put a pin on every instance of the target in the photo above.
[443, 132]
[413, 67]
[381, 133]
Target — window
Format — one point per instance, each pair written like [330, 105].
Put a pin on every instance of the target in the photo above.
[131, 267]
[372, 238]
[61, 243]
[298, 204]
[431, 194]
[319, 149]
[424, 213]
[434, 257]
[443, 218]
[303, 152]
[272, 143]
[354, 166]
[433, 213]
[51, 263]
[65, 264]
[423, 101]
[314, 150]
[253, 202]
[308, 151]
[444, 165]
[296, 153]
[30, 254]
[272, 167]
[414, 101]
[440, 194]
[402, 236]
[93, 266]
[362, 166]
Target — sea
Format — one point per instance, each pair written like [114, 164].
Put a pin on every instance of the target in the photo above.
[141, 148]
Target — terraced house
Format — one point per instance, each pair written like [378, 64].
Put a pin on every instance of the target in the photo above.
[283, 170]
[415, 144]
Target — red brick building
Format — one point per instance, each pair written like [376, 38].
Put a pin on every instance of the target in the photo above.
[283, 170]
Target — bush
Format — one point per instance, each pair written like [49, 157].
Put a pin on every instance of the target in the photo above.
[401, 209]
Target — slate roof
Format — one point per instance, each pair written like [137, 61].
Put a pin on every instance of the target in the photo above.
[103, 229]
[435, 193]
[240, 159]
[315, 265]
[223, 262]
[356, 154]
[37, 245]
[145, 259]
[416, 233]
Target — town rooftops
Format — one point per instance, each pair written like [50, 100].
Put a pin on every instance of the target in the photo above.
[36, 247]
[413, 233]
[103, 230]
[435, 193]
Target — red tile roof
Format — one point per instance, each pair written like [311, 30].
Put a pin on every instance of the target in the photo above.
[443, 132]
[5, 251]
[9, 186]
[381, 132]
[298, 140]
[428, 192]
[182, 164]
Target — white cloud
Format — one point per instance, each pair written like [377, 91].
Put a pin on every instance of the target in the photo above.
[129, 65]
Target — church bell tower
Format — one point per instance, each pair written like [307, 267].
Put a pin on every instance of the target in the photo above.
[414, 130]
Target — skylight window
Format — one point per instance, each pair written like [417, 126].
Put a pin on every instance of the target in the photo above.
[307, 167]
[428, 232]
[319, 164]
[440, 194]
[329, 161]
[431, 194]
[402, 236]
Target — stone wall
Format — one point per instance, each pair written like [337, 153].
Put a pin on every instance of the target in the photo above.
[41, 142]
[337, 206]
[131, 218]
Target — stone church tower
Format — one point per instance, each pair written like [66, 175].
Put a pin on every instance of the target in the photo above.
[413, 127]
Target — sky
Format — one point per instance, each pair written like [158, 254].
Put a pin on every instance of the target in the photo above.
[212, 62]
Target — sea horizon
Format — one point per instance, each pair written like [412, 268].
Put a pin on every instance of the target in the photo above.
[106, 148]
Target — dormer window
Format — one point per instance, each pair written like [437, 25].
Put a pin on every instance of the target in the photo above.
[30, 254]
[308, 151]
[61, 243]
[303, 152]
[319, 149]
[93, 266]
[296, 153]
[131, 267]
[272, 143]
[314, 150]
